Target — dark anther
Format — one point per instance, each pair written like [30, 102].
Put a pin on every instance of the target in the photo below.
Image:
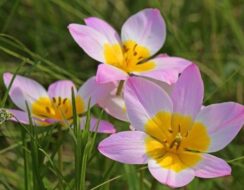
[135, 53]
[65, 100]
[125, 48]
[59, 101]
[48, 110]
[134, 47]
[139, 58]
[54, 100]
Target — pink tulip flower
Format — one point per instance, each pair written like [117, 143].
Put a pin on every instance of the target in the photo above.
[55, 105]
[142, 36]
[174, 133]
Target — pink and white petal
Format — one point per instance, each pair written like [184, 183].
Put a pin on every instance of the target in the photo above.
[187, 94]
[147, 28]
[28, 90]
[19, 99]
[22, 117]
[170, 177]
[90, 40]
[114, 106]
[126, 147]
[166, 87]
[211, 167]
[19, 116]
[143, 100]
[108, 73]
[61, 88]
[167, 68]
[104, 28]
[103, 126]
[223, 122]
[95, 91]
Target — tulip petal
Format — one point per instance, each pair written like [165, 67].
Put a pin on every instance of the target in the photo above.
[108, 73]
[223, 122]
[211, 167]
[115, 106]
[104, 28]
[103, 126]
[170, 177]
[90, 40]
[61, 88]
[95, 91]
[126, 147]
[22, 117]
[167, 69]
[147, 28]
[166, 87]
[24, 89]
[19, 116]
[144, 100]
[187, 94]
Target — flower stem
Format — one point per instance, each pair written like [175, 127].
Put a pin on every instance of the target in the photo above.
[120, 87]
[60, 156]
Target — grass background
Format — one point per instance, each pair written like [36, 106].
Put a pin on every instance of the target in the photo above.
[209, 32]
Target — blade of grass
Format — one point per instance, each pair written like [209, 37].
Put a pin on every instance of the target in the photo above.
[85, 141]
[11, 14]
[25, 157]
[60, 155]
[131, 177]
[77, 143]
[19, 45]
[114, 178]
[37, 179]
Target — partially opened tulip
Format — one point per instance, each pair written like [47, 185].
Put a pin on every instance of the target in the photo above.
[142, 35]
[175, 134]
[55, 105]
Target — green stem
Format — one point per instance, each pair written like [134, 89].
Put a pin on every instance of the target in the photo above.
[236, 159]
[60, 156]
[141, 180]
[120, 87]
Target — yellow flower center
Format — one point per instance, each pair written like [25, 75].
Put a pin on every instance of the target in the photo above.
[129, 58]
[56, 108]
[175, 141]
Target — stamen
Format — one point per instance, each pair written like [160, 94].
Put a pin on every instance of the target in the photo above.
[59, 101]
[134, 48]
[170, 130]
[65, 100]
[176, 141]
[187, 133]
[54, 100]
[135, 53]
[126, 49]
[139, 58]
[48, 110]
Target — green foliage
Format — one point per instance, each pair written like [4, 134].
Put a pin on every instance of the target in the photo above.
[35, 39]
